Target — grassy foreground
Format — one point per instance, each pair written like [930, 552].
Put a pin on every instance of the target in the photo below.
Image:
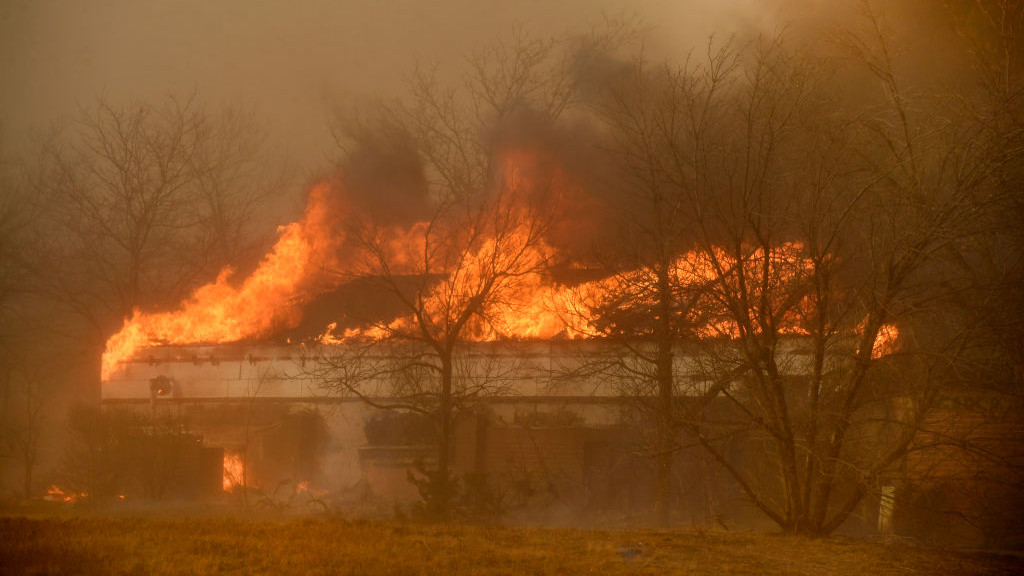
[95, 545]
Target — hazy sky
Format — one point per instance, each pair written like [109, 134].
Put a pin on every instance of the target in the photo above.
[285, 60]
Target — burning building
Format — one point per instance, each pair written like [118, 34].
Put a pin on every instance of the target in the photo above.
[546, 425]
[360, 349]
[263, 405]
[328, 368]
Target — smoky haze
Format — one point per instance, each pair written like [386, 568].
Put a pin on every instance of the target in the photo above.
[294, 64]
[289, 62]
[330, 89]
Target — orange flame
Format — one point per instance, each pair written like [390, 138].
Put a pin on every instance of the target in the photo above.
[532, 306]
[234, 469]
[306, 487]
[885, 342]
[538, 309]
[55, 494]
[268, 299]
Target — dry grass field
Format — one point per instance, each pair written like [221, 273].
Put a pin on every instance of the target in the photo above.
[95, 545]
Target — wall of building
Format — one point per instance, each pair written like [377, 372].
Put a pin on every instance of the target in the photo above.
[248, 399]
[552, 438]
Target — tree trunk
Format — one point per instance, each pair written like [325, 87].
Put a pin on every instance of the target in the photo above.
[29, 465]
[442, 485]
[665, 448]
[666, 440]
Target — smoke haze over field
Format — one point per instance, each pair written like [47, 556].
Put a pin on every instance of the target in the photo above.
[690, 263]
[289, 62]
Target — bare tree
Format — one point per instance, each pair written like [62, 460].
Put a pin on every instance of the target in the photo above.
[140, 202]
[992, 31]
[805, 238]
[872, 226]
[453, 269]
[649, 306]
[965, 141]
[24, 383]
[458, 275]
[27, 396]
[14, 219]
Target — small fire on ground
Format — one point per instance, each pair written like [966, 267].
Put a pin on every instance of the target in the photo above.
[55, 494]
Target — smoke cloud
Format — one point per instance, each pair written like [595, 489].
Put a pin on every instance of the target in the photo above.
[384, 177]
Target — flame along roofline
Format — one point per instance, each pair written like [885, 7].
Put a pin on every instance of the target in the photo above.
[508, 346]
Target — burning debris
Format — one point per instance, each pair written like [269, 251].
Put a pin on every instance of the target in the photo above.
[55, 494]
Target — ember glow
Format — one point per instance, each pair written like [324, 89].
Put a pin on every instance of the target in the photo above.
[306, 487]
[234, 470]
[885, 343]
[55, 494]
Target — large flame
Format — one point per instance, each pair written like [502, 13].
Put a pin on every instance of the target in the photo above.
[764, 286]
[269, 299]
[539, 309]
